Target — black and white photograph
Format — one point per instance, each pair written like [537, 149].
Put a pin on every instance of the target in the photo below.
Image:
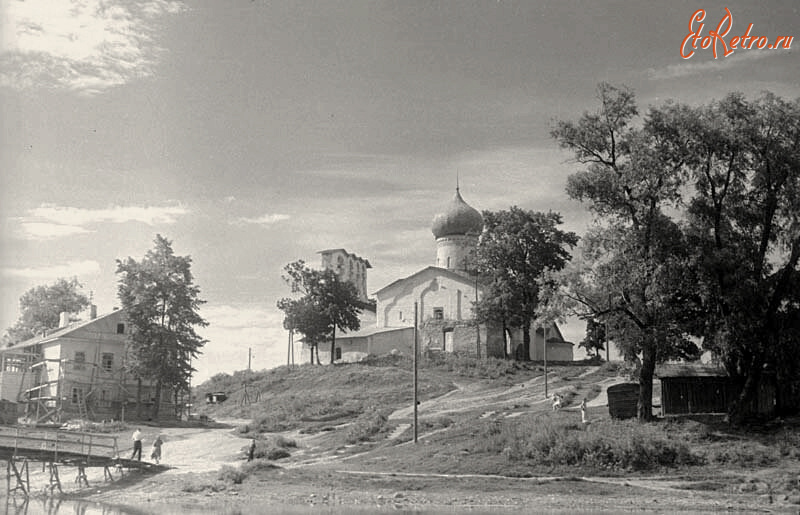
[416, 256]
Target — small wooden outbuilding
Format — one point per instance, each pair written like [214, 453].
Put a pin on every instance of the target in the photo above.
[690, 388]
[697, 388]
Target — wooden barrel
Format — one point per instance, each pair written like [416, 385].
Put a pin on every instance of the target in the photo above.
[622, 400]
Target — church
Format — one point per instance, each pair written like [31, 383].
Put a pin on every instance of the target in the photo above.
[444, 293]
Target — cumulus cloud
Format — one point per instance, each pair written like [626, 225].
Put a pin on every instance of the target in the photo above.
[266, 219]
[51, 272]
[85, 46]
[50, 221]
[694, 66]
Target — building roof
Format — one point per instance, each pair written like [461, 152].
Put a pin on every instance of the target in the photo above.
[689, 370]
[459, 218]
[54, 334]
[369, 331]
[437, 270]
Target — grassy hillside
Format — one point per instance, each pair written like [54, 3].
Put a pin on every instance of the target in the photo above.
[313, 397]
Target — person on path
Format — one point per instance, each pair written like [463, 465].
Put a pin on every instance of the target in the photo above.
[583, 412]
[252, 451]
[156, 454]
[137, 444]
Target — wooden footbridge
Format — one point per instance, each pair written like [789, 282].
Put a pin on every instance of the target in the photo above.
[22, 446]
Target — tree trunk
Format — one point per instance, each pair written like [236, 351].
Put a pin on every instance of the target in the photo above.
[157, 401]
[526, 341]
[333, 344]
[644, 408]
[745, 405]
[316, 348]
[312, 354]
[139, 398]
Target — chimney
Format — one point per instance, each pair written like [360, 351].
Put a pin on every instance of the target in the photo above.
[92, 312]
[63, 319]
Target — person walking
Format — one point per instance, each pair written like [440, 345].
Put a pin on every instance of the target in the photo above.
[137, 444]
[252, 451]
[156, 454]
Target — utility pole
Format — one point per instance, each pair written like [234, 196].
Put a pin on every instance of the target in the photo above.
[249, 357]
[415, 372]
[477, 325]
[544, 346]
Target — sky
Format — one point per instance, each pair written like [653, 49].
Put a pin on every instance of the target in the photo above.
[253, 133]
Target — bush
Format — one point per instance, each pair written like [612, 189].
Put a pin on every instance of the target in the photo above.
[272, 448]
[257, 466]
[230, 474]
[366, 426]
[560, 440]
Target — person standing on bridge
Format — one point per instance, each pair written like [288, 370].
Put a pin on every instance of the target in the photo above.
[137, 444]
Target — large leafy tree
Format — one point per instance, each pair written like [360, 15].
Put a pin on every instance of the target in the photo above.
[744, 226]
[634, 261]
[41, 307]
[326, 304]
[514, 250]
[162, 304]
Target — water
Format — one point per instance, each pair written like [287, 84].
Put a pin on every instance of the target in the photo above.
[21, 505]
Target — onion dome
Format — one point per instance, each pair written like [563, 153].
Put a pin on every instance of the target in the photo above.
[458, 219]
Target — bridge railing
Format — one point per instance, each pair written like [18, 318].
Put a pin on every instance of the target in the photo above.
[60, 444]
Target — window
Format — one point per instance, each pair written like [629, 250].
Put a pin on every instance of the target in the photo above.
[400, 317]
[338, 353]
[77, 395]
[108, 361]
[80, 359]
[120, 328]
[438, 313]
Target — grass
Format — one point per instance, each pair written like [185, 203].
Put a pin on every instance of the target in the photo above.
[367, 426]
[561, 440]
[310, 397]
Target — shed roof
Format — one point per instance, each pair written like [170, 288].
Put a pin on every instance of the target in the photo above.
[689, 370]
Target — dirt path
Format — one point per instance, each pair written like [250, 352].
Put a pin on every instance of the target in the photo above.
[200, 449]
[476, 397]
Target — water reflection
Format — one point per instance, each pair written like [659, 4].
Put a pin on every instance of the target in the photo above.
[21, 505]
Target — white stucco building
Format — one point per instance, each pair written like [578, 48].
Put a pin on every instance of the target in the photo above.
[444, 294]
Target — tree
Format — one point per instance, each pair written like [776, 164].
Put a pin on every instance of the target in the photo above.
[744, 225]
[327, 304]
[516, 247]
[42, 306]
[162, 304]
[633, 262]
[301, 315]
[595, 339]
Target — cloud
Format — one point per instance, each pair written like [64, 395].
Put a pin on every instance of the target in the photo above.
[266, 219]
[73, 268]
[47, 231]
[695, 67]
[234, 331]
[84, 46]
[49, 221]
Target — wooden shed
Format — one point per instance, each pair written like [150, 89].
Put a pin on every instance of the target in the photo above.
[694, 388]
[697, 388]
